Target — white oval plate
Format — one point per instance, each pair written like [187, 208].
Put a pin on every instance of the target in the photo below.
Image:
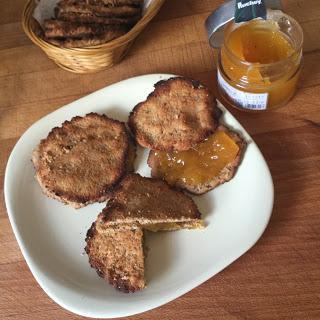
[51, 235]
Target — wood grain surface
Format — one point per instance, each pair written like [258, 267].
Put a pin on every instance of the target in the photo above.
[279, 278]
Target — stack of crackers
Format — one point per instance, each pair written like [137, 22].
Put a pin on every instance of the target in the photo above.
[83, 23]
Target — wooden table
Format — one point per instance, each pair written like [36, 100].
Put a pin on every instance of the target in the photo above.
[279, 278]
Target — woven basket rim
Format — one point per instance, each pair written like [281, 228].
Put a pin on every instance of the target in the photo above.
[120, 41]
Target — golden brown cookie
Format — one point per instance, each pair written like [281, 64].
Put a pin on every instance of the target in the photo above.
[81, 161]
[178, 114]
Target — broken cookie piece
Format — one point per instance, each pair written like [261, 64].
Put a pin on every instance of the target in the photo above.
[115, 239]
[117, 255]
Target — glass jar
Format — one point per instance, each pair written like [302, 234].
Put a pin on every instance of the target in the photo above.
[260, 61]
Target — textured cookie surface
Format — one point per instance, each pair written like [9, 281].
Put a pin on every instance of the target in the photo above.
[115, 239]
[113, 3]
[79, 162]
[117, 255]
[98, 9]
[150, 203]
[90, 18]
[61, 29]
[178, 114]
[87, 40]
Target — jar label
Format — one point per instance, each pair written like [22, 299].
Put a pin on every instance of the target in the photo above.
[247, 10]
[245, 100]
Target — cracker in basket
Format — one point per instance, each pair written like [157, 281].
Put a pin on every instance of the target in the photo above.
[111, 32]
[57, 29]
[91, 18]
[115, 2]
[99, 10]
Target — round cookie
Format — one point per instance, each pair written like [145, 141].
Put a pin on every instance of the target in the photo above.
[178, 114]
[81, 161]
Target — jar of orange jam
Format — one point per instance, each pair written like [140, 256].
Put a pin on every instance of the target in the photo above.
[260, 61]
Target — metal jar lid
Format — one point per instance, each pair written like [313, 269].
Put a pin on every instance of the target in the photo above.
[218, 19]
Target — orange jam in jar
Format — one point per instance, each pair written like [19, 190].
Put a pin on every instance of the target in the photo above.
[199, 164]
[260, 61]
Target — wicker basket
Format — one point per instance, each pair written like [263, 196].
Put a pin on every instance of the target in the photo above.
[89, 59]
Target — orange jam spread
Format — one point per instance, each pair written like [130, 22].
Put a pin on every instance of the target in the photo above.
[250, 60]
[259, 42]
[201, 163]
